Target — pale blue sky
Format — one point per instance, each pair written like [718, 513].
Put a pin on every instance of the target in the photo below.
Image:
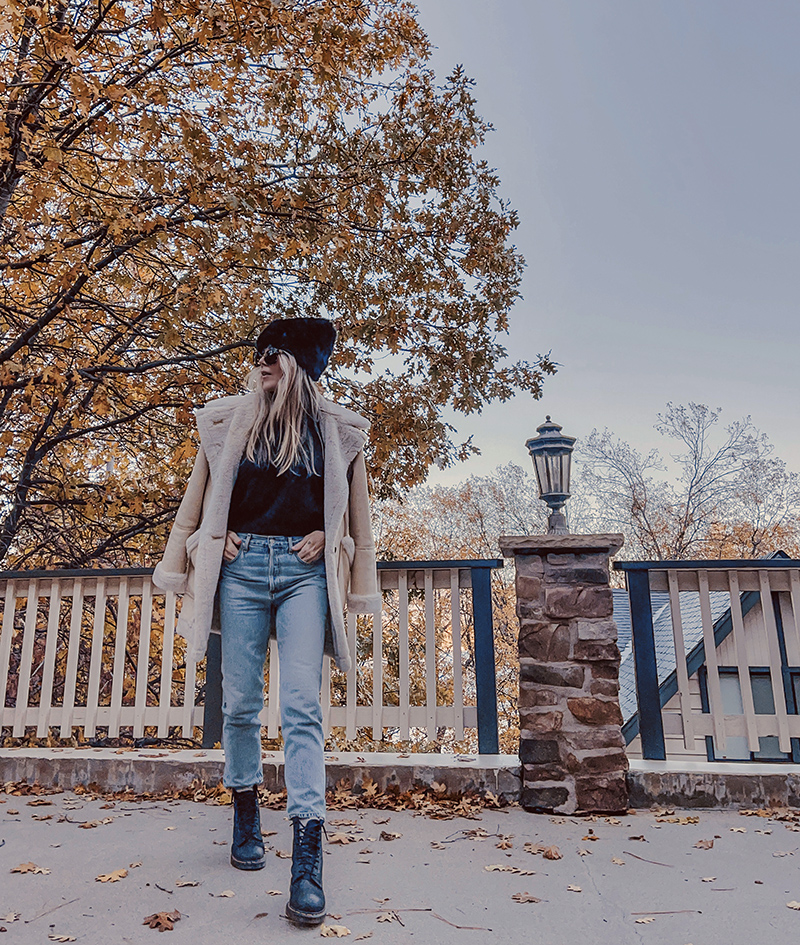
[652, 150]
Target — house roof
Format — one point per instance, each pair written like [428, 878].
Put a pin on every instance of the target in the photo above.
[662, 633]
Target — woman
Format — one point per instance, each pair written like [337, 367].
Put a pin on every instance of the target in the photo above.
[272, 536]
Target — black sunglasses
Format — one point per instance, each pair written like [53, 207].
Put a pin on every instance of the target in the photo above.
[268, 355]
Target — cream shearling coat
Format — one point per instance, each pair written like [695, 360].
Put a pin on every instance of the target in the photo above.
[193, 554]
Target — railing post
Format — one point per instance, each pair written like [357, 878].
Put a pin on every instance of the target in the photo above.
[648, 698]
[485, 674]
[212, 710]
[571, 746]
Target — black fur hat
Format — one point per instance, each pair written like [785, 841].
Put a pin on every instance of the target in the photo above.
[310, 340]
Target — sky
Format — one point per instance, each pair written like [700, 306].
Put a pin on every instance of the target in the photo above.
[652, 152]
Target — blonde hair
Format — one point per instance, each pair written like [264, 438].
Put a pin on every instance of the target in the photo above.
[280, 434]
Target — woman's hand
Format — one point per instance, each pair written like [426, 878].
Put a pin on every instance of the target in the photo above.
[310, 548]
[232, 542]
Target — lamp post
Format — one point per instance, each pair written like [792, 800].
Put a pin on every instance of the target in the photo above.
[552, 456]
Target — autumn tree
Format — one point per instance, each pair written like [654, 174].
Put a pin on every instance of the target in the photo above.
[724, 493]
[173, 173]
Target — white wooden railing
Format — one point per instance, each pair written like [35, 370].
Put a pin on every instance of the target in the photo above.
[97, 650]
[734, 692]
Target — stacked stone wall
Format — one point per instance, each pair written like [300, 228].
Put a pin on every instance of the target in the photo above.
[571, 746]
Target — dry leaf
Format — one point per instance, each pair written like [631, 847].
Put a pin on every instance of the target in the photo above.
[42, 817]
[708, 879]
[640, 837]
[343, 822]
[274, 892]
[590, 836]
[133, 866]
[333, 931]
[614, 821]
[617, 861]
[268, 833]
[766, 833]
[584, 852]
[14, 813]
[225, 894]
[360, 938]
[11, 917]
[40, 802]
[524, 897]
[113, 877]
[505, 842]
[738, 830]
[187, 882]
[388, 835]
[220, 843]
[29, 868]
[704, 844]
[645, 920]
[793, 904]
[169, 828]
[60, 938]
[435, 845]
[377, 821]
[163, 921]
[387, 917]
[783, 853]
[552, 853]
[574, 889]
[342, 838]
[283, 854]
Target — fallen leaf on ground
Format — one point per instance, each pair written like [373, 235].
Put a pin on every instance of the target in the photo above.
[225, 894]
[640, 837]
[377, 821]
[283, 854]
[505, 843]
[435, 845]
[343, 822]
[268, 833]
[333, 931]
[29, 868]
[113, 877]
[54, 937]
[524, 897]
[343, 838]
[552, 853]
[645, 920]
[220, 843]
[89, 824]
[738, 829]
[503, 868]
[133, 866]
[793, 904]
[783, 853]
[40, 802]
[163, 921]
[360, 938]
[10, 917]
[274, 892]
[387, 917]
[14, 813]
[764, 832]
[187, 882]
[704, 844]
[708, 879]
[590, 836]
[584, 852]
[388, 835]
[617, 861]
[261, 915]
[574, 889]
[614, 821]
[169, 828]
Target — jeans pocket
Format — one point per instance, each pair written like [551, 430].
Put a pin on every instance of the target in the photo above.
[235, 558]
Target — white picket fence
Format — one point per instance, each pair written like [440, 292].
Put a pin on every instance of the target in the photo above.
[98, 650]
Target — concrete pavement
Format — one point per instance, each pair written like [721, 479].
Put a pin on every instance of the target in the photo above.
[416, 887]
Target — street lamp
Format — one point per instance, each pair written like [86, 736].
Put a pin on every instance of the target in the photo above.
[552, 455]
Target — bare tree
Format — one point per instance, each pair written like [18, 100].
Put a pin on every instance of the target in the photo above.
[730, 497]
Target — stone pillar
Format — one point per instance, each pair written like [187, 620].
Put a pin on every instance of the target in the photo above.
[571, 745]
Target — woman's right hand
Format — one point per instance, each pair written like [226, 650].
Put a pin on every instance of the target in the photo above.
[232, 542]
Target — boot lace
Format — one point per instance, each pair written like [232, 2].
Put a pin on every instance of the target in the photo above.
[309, 846]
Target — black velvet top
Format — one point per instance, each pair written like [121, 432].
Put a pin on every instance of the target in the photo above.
[264, 503]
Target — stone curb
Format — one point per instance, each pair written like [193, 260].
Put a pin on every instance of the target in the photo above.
[153, 771]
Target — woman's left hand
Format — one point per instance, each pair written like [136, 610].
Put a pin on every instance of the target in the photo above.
[311, 547]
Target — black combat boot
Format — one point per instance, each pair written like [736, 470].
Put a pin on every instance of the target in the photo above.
[247, 850]
[306, 905]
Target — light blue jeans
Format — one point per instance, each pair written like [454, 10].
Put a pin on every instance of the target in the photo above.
[268, 588]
